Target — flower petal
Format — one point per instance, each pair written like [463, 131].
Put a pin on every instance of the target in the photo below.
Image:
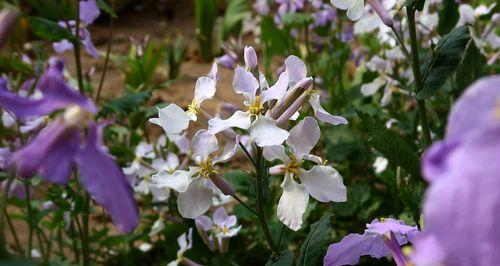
[370, 88]
[342, 4]
[230, 150]
[323, 115]
[99, 173]
[205, 89]
[172, 119]
[303, 137]
[293, 203]
[245, 83]
[196, 200]
[352, 247]
[89, 11]
[203, 144]
[275, 152]
[296, 69]
[178, 180]
[220, 217]
[355, 12]
[265, 132]
[239, 119]
[203, 222]
[324, 183]
[277, 91]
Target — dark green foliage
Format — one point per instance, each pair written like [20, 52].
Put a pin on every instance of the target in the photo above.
[49, 30]
[314, 247]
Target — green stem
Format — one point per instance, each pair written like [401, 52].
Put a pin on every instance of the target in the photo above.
[29, 219]
[85, 230]
[14, 233]
[244, 204]
[76, 45]
[3, 201]
[74, 239]
[260, 203]
[108, 51]
[418, 75]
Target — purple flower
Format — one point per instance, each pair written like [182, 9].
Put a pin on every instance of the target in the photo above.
[262, 7]
[222, 227]
[462, 204]
[380, 239]
[16, 189]
[62, 144]
[89, 11]
[228, 61]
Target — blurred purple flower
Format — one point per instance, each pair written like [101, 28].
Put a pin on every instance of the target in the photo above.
[223, 227]
[261, 7]
[4, 155]
[464, 176]
[89, 11]
[324, 16]
[228, 61]
[54, 151]
[380, 239]
[16, 189]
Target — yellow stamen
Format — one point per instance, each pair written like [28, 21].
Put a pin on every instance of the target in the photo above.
[207, 168]
[256, 108]
[194, 107]
[293, 166]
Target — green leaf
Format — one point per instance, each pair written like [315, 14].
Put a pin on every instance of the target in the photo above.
[106, 8]
[314, 247]
[49, 30]
[448, 16]
[285, 259]
[443, 61]
[391, 145]
[127, 103]
[471, 68]
[236, 12]
[297, 19]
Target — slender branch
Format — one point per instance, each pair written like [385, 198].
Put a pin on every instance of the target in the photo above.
[417, 75]
[401, 42]
[77, 52]
[3, 201]
[245, 205]
[30, 223]
[85, 230]
[13, 232]
[260, 203]
[108, 51]
[247, 153]
[280, 238]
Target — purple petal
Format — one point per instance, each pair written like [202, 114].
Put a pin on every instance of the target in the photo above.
[389, 225]
[203, 222]
[89, 11]
[62, 46]
[352, 247]
[220, 217]
[51, 154]
[103, 179]
[89, 46]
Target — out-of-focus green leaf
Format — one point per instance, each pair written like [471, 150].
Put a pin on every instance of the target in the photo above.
[126, 103]
[443, 61]
[205, 15]
[106, 8]
[471, 68]
[297, 19]
[236, 11]
[391, 145]
[285, 259]
[448, 16]
[49, 30]
[314, 247]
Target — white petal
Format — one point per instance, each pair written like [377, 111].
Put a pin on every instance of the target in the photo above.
[295, 116]
[323, 115]
[245, 83]
[296, 69]
[214, 72]
[159, 194]
[342, 4]
[304, 136]
[265, 132]
[370, 88]
[263, 81]
[355, 12]
[203, 144]
[172, 119]
[313, 158]
[205, 89]
[324, 183]
[230, 150]
[292, 203]
[196, 200]
[276, 152]
[277, 91]
[177, 181]
[239, 119]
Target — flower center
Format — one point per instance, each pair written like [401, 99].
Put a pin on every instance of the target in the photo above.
[194, 107]
[255, 108]
[496, 110]
[75, 116]
[207, 168]
[293, 166]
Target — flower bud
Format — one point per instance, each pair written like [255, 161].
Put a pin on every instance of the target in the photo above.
[250, 57]
[381, 12]
[290, 97]
[293, 108]
[8, 18]
[276, 170]
[222, 184]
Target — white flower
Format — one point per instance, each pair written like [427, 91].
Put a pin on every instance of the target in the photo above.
[262, 128]
[194, 186]
[185, 243]
[380, 164]
[322, 182]
[173, 119]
